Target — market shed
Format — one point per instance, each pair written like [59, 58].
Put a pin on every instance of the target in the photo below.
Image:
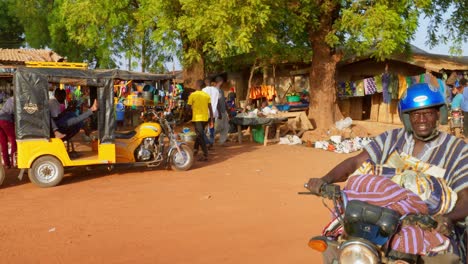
[359, 82]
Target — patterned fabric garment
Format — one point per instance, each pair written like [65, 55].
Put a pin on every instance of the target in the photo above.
[447, 152]
[359, 91]
[369, 86]
[386, 93]
[402, 85]
[423, 179]
[394, 86]
[341, 89]
[378, 83]
[383, 192]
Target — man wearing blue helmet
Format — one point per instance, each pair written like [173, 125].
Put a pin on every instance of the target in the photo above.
[418, 157]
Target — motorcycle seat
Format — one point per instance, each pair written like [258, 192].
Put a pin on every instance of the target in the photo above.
[124, 135]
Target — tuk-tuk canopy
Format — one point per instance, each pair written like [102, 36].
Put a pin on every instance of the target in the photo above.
[32, 116]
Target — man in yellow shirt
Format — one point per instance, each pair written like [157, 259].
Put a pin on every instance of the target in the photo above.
[200, 102]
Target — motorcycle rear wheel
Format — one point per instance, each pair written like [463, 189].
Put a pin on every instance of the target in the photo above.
[182, 161]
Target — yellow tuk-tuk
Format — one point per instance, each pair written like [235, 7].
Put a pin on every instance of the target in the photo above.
[45, 156]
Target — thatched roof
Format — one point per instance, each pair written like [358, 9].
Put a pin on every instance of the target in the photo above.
[20, 56]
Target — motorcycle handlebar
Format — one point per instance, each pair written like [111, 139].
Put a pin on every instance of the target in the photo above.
[327, 190]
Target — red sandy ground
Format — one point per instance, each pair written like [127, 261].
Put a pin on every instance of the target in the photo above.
[241, 206]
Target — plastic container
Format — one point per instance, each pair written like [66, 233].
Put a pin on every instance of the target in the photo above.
[119, 112]
[188, 137]
[284, 107]
[258, 134]
[293, 98]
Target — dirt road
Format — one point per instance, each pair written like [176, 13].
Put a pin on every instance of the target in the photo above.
[240, 207]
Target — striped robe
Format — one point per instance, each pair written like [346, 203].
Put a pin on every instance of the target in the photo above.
[447, 152]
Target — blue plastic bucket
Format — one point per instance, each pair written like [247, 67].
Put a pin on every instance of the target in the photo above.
[119, 112]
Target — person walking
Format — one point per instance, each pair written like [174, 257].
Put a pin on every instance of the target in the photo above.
[7, 132]
[200, 102]
[214, 95]
[222, 122]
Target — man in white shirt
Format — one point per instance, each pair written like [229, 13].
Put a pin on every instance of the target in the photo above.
[214, 95]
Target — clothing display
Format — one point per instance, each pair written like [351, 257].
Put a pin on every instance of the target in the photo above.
[392, 86]
[267, 91]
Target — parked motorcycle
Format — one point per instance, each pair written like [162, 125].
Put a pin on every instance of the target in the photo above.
[456, 121]
[153, 142]
[360, 231]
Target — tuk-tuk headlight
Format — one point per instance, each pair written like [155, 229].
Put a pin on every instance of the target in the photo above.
[358, 252]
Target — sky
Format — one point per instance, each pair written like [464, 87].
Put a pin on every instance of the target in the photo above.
[421, 36]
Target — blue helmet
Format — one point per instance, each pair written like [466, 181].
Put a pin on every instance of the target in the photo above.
[418, 96]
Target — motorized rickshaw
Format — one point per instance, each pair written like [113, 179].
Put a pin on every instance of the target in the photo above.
[45, 156]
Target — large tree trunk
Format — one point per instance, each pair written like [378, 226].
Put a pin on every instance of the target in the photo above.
[323, 110]
[195, 70]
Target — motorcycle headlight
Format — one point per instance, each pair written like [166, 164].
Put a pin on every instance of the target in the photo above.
[358, 252]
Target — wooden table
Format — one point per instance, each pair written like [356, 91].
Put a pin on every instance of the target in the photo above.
[266, 122]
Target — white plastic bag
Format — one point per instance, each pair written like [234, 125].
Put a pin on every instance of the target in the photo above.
[344, 123]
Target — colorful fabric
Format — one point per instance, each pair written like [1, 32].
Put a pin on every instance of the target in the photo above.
[423, 179]
[369, 86]
[359, 88]
[383, 192]
[402, 85]
[341, 89]
[386, 93]
[394, 86]
[410, 80]
[447, 152]
[378, 83]
[199, 101]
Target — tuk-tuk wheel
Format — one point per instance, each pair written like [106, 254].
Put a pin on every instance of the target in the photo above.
[2, 174]
[46, 171]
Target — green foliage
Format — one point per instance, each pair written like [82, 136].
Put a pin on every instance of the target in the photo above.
[383, 27]
[448, 23]
[99, 31]
[11, 30]
[33, 16]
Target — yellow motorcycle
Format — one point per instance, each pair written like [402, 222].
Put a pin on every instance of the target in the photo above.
[152, 143]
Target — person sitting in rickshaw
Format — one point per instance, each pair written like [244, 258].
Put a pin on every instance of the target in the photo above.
[66, 123]
[69, 123]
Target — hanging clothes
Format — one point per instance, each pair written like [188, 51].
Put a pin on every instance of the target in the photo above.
[359, 88]
[433, 81]
[341, 89]
[386, 93]
[402, 85]
[369, 86]
[411, 80]
[394, 86]
[378, 83]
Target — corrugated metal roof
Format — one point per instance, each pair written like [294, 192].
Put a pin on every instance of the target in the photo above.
[19, 56]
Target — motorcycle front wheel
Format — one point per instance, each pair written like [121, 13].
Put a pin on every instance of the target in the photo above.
[183, 160]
